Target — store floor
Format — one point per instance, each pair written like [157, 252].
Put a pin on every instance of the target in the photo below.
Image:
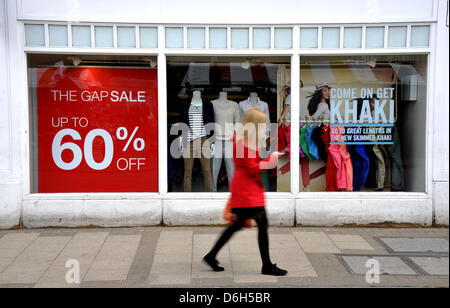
[171, 257]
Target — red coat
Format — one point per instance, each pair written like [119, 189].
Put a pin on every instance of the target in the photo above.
[247, 188]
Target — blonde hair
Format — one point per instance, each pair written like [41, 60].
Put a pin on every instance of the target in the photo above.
[249, 130]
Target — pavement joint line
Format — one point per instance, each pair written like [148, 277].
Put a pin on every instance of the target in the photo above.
[414, 266]
[405, 258]
[54, 259]
[15, 258]
[95, 258]
[336, 278]
[412, 253]
[145, 240]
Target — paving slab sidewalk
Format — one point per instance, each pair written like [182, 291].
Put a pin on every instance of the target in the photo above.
[171, 257]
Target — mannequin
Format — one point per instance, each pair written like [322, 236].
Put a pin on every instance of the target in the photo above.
[227, 115]
[253, 101]
[196, 114]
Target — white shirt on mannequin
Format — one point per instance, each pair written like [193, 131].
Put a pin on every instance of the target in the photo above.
[226, 114]
[254, 102]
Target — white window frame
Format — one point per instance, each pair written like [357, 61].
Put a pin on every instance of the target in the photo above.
[295, 53]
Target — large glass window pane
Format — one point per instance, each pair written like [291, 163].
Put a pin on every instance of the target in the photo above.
[174, 37]
[375, 37]
[362, 123]
[308, 37]
[261, 37]
[239, 38]
[217, 38]
[420, 36]
[283, 38]
[105, 125]
[352, 37]
[104, 36]
[148, 37]
[34, 35]
[330, 37]
[57, 35]
[397, 37]
[126, 37]
[207, 99]
[196, 37]
[81, 36]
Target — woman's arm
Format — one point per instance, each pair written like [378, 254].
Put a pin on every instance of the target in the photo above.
[255, 166]
[321, 109]
[283, 113]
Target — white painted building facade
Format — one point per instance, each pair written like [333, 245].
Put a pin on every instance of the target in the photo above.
[21, 205]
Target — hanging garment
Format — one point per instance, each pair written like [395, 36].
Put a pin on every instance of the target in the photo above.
[304, 166]
[381, 166]
[302, 155]
[303, 143]
[341, 177]
[371, 180]
[265, 179]
[330, 172]
[346, 158]
[282, 137]
[360, 165]
[287, 135]
[312, 147]
[317, 139]
[387, 162]
[398, 174]
[343, 164]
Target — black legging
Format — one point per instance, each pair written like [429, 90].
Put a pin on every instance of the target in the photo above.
[242, 214]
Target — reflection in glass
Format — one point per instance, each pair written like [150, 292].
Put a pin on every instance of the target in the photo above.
[206, 101]
[362, 124]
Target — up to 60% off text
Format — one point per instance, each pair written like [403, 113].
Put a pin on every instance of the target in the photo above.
[122, 164]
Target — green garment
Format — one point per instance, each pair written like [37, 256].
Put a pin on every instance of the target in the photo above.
[303, 143]
[265, 179]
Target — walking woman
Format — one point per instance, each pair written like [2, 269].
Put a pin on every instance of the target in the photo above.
[247, 189]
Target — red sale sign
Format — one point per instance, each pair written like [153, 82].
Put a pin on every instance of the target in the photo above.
[97, 130]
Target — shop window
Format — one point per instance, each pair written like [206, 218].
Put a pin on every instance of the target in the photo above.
[104, 36]
[308, 37]
[174, 37]
[57, 35]
[196, 37]
[94, 124]
[352, 37]
[362, 123]
[206, 99]
[330, 37]
[126, 37]
[375, 37]
[283, 38]
[81, 36]
[217, 38]
[397, 37]
[420, 36]
[261, 37]
[239, 38]
[34, 35]
[148, 37]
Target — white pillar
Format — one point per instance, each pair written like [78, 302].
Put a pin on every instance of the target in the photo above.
[440, 119]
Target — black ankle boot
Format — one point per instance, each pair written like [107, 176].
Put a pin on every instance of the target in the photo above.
[273, 270]
[213, 263]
